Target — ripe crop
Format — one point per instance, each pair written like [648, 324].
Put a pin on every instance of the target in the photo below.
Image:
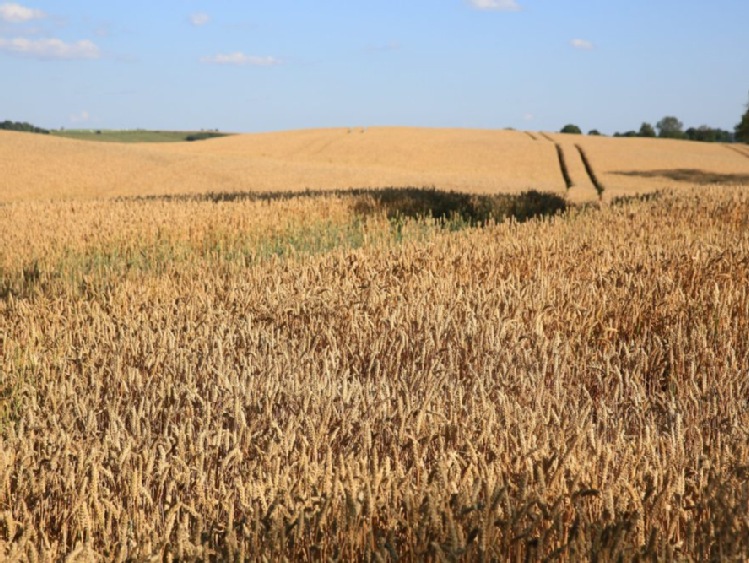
[42, 167]
[265, 379]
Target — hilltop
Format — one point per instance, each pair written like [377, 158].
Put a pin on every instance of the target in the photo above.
[478, 161]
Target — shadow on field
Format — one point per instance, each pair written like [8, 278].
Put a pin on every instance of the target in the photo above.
[452, 210]
[691, 175]
[475, 209]
[628, 199]
[471, 208]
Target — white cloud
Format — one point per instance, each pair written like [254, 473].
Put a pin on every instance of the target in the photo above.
[240, 59]
[15, 13]
[50, 48]
[496, 5]
[528, 117]
[199, 19]
[583, 44]
[80, 117]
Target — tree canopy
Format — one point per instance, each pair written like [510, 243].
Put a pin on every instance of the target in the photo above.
[670, 128]
[646, 130]
[21, 126]
[707, 134]
[742, 128]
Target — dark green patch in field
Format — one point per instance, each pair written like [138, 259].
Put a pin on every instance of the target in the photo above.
[413, 214]
[628, 199]
[410, 202]
[96, 268]
[473, 209]
[137, 136]
[690, 175]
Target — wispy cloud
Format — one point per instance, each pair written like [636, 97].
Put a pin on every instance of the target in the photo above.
[15, 13]
[80, 117]
[240, 59]
[199, 18]
[45, 48]
[495, 5]
[49, 49]
[582, 44]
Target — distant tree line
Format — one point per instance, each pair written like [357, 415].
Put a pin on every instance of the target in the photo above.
[671, 128]
[21, 126]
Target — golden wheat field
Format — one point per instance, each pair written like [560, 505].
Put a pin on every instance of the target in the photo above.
[321, 378]
[478, 161]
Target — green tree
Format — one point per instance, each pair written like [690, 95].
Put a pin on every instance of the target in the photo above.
[704, 134]
[646, 130]
[670, 128]
[742, 129]
[571, 129]
[594, 133]
[8, 125]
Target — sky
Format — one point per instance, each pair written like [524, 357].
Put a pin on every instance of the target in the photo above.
[265, 65]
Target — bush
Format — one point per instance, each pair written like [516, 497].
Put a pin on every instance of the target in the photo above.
[574, 129]
[21, 126]
[202, 135]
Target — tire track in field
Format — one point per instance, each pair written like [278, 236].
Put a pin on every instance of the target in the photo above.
[591, 173]
[740, 150]
[572, 167]
[563, 167]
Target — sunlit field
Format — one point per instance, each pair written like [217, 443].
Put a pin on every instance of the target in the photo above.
[475, 161]
[208, 374]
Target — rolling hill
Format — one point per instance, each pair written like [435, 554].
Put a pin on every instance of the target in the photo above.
[484, 161]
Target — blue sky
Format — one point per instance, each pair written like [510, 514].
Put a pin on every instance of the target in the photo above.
[261, 65]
